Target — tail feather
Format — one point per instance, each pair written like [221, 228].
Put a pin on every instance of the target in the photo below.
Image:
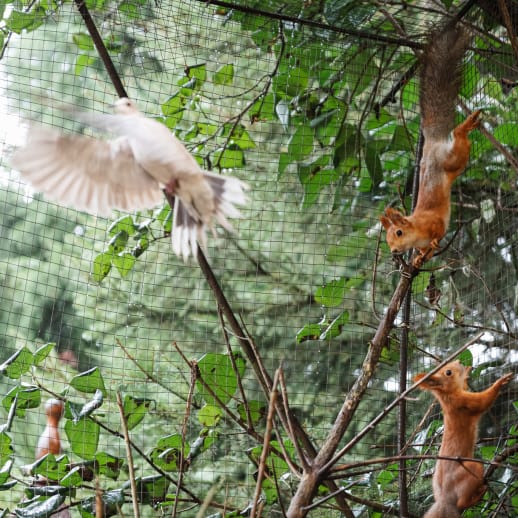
[190, 225]
[441, 79]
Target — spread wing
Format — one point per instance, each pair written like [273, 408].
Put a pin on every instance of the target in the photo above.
[85, 173]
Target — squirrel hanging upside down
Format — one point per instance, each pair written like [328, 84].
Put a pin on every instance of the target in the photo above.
[458, 485]
[443, 159]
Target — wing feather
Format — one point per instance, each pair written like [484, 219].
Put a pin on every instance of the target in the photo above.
[86, 173]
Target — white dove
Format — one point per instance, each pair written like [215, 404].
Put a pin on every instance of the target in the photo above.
[129, 173]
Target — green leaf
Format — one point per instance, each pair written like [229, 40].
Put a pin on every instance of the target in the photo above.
[135, 409]
[19, 20]
[173, 106]
[240, 137]
[263, 109]
[373, 162]
[165, 218]
[118, 242]
[124, 263]
[166, 453]
[23, 398]
[198, 72]
[335, 327]
[83, 40]
[224, 75]
[300, 144]
[102, 266]
[89, 381]
[49, 467]
[6, 447]
[217, 372]
[130, 9]
[290, 82]
[257, 411]
[82, 61]
[19, 363]
[229, 158]
[314, 177]
[42, 352]
[73, 478]
[285, 160]
[332, 294]
[83, 437]
[209, 415]
[5, 471]
[387, 476]
[309, 332]
[123, 224]
[108, 465]
[507, 133]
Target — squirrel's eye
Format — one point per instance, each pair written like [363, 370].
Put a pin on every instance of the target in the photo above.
[399, 233]
[448, 372]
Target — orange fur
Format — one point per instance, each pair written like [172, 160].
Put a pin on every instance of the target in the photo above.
[442, 162]
[49, 441]
[458, 485]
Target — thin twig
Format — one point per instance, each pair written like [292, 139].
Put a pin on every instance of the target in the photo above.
[284, 395]
[185, 422]
[266, 444]
[129, 456]
[236, 370]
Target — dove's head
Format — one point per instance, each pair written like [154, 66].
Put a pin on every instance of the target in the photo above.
[125, 106]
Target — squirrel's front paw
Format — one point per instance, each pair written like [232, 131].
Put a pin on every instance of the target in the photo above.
[506, 378]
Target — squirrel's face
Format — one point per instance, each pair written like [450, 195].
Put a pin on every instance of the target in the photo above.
[452, 376]
[400, 231]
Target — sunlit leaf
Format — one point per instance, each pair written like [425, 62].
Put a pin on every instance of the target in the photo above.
[83, 437]
[224, 75]
[124, 262]
[209, 415]
[332, 294]
[102, 266]
[23, 397]
[166, 454]
[335, 327]
[228, 158]
[218, 374]
[19, 363]
[108, 465]
[88, 381]
[135, 409]
[42, 352]
[301, 144]
[83, 40]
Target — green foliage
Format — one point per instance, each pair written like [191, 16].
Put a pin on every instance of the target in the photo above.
[303, 120]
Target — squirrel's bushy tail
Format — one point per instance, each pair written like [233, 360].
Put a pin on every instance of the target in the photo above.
[440, 80]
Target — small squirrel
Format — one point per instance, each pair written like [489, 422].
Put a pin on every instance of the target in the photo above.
[49, 441]
[443, 159]
[458, 485]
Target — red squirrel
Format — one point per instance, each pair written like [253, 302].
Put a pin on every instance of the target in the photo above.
[458, 485]
[443, 159]
[49, 441]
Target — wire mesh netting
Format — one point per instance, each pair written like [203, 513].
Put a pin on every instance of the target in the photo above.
[166, 366]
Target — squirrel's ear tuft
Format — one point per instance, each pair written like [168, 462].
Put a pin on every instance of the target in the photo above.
[395, 216]
[385, 222]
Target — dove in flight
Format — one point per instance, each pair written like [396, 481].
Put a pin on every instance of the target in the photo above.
[128, 172]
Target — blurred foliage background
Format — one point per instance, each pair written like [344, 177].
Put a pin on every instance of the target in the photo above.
[315, 105]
